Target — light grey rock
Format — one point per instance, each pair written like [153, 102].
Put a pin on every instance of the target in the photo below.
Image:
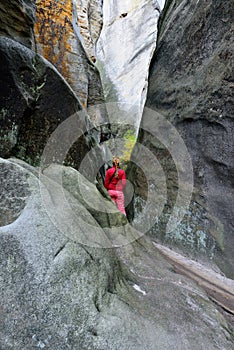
[88, 21]
[14, 192]
[59, 294]
[124, 51]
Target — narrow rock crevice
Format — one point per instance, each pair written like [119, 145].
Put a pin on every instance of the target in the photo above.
[60, 250]
[89, 254]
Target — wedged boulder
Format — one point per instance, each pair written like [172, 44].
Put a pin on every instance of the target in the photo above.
[48, 296]
[57, 293]
[190, 85]
[35, 100]
[17, 20]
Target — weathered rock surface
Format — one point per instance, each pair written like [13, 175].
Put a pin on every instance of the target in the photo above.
[124, 50]
[190, 84]
[45, 302]
[65, 34]
[63, 282]
[35, 100]
[218, 287]
[88, 18]
[57, 293]
[161, 3]
[17, 19]
[14, 192]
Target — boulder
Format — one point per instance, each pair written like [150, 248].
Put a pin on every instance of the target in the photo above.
[58, 293]
[49, 300]
[32, 108]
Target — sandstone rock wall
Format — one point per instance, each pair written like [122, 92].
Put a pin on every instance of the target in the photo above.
[124, 50]
[190, 84]
[65, 34]
[42, 98]
[88, 22]
[60, 287]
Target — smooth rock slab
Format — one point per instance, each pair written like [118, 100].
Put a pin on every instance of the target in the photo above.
[124, 51]
[59, 294]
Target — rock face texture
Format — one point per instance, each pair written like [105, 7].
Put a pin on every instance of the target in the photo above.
[65, 34]
[124, 51]
[36, 89]
[190, 85]
[74, 274]
[15, 185]
[57, 293]
[88, 21]
[17, 20]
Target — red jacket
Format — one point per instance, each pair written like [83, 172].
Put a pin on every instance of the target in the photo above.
[115, 184]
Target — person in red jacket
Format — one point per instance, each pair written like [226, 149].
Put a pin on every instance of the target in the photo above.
[115, 182]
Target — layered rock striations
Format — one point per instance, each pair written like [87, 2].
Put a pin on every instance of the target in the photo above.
[190, 85]
[124, 50]
[17, 21]
[88, 22]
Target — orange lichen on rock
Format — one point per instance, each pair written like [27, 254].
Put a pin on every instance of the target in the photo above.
[53, 29]
[66, 38]
[56, 41]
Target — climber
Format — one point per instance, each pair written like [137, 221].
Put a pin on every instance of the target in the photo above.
[115, 182]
